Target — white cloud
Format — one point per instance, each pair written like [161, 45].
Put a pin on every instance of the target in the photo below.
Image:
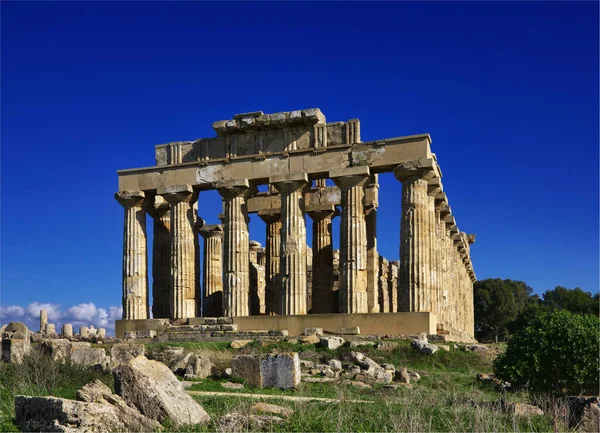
[86, 314]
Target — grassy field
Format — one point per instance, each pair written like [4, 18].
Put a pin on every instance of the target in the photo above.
[447, 398]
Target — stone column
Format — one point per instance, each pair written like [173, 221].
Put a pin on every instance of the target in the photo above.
[183, 251]
[135, 260]
[323, 299]
[160, 211]
[43, 320]
[212, 303]
[273, 252]
[236, 259]
[293, 243]
[67, 330]
[415, 233]
[371, 204]
[353, 239]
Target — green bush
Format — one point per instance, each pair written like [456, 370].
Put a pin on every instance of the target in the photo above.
[556, 354]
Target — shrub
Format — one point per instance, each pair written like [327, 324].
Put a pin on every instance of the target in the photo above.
[556, 354]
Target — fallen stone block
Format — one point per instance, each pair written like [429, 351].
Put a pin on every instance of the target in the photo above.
[402, 376]
[238, 344]
[263, 371]
[331, 343]
[335, 364]
[59, 350]
[318, 379]
[198, 367]
[16, 342]
[313, 332]
[523, 409]
[154, 390]
[477, 348]
[359, 343]
[424, 347]
[386, 346]
[307, 365]
[124, 352]
[310, 339]
[89, 357]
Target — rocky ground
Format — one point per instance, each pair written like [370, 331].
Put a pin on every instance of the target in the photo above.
[312, 383]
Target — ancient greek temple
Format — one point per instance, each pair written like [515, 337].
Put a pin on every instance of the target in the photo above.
[286, 284]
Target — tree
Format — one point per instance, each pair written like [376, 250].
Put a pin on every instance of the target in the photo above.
[556, 354]
[576, 300]
[498, 302]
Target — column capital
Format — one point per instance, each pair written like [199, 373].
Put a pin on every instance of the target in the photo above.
[159, 208]
[270, 215]
[320, 212]
[351, 176]
[289, 182]
[424, 169]
[178, 193]
[129, 199]
[232, 188]
[211, 231]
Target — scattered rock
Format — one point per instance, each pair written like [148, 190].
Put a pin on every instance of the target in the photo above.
[353, 369]
[228, 372]
[335, 364]
[414, 376]
[523, 409]
[328, 372]
[169, 356]
[59, 350]
[423, 346]
[198, 367]
[390, 367]
[386, 346]
[402, 376]
[237, 422]
[359, 343]
[307, 365]
[311, 339]
[180, 366]
[124, 352]
[232, 385]
[155, 391]
[238, 344]
[331, 343]
[584, 413]
[444, 347]
[262, 408]
[355, 383]
[422, 336]
[318, 379]
[477, 348]
[313, 332]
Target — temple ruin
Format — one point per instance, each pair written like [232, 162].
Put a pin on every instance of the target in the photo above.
[286, 284]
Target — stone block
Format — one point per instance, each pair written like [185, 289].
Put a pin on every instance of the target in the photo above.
[153, 389]
[238, 344]
[14, 349]
[313, 331]
[310, 339]
[332, 343]
[90, 357]
[129, 335]
[268, 371]
[124, 352]
[247, 367]
[198, 367]
[424, 347]
[59, 350]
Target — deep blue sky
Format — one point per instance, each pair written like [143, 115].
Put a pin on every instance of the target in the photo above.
[508, 92]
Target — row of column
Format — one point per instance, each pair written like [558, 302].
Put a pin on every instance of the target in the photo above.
[432, 275]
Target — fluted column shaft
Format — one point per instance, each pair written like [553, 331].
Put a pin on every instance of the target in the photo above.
[182, 303]
[236, 258]
[371, 204]
[160, 211]
[353, 240]
[135, 259]
[323, 296]
[293, 244]
[272, 253]
[212, 270]
[418, 215]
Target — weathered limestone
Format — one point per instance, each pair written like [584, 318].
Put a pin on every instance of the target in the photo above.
[293, 243]
[272, 253]
[353, 240]
[323, 296]
[415, 234]
[268, 371]
[183, 251]
[212, 304]
[236, 283]
[101, 333]
[43, 320]
[16, 342]
[135, 260]
[372, 201]
[161, 258]
[67, 330]
[84, 332]
[50, 330]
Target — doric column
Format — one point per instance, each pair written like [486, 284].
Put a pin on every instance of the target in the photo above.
[415, 235]
[135, 260]
[323, 299]
[182, 303]
[236, 259]
[43, 320]
[293, 243]
[371, 204]
[212, 270]
[353, 239]
[160, 211]
[273, 252]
